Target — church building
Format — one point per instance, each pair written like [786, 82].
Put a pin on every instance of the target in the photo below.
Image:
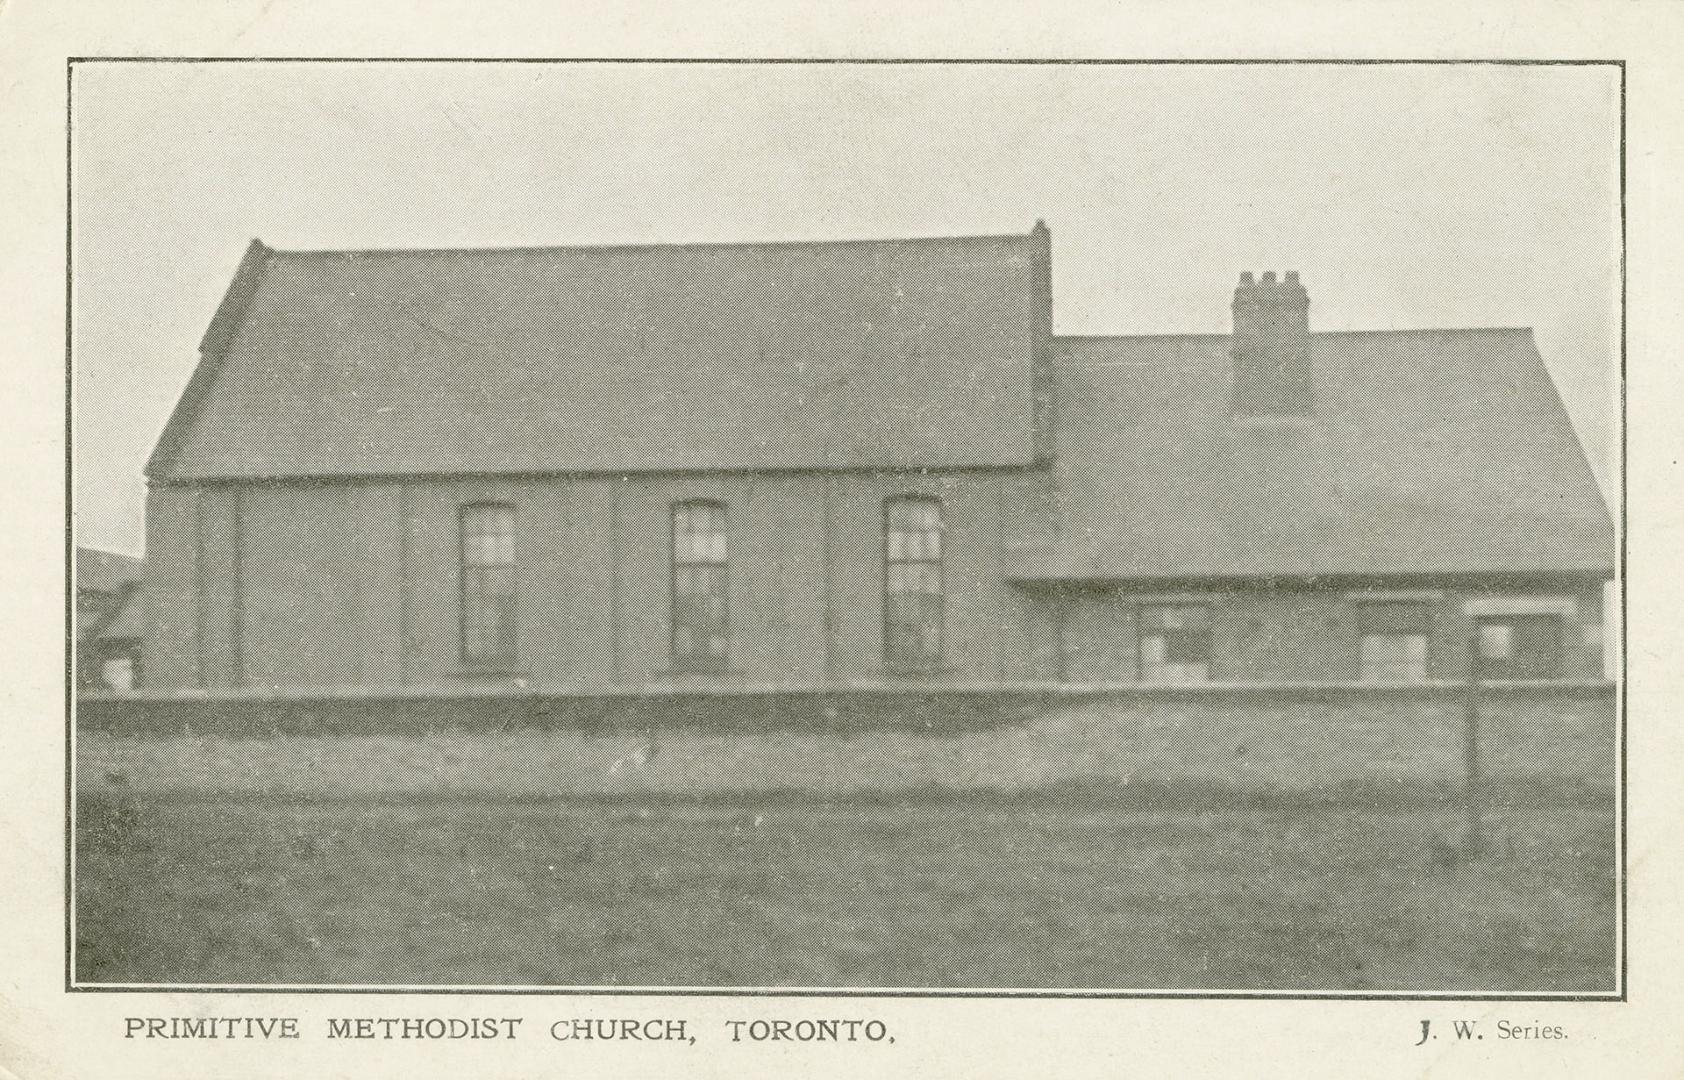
[849, 464]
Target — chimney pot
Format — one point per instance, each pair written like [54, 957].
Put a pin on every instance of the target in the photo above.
[1246, 278]
[1268, 277]
[1292, 277]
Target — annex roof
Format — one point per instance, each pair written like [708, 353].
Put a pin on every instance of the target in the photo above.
[1426, 452]
[106, 571]
[128, 623]
[896, 353]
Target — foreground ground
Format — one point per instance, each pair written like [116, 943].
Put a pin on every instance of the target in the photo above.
[934, 892]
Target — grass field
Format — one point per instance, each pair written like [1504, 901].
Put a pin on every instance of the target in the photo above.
[950, 891]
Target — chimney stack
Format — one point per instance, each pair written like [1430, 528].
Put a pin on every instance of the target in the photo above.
[1271, 346]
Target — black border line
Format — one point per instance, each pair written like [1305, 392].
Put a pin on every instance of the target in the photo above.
[1447, 997]
[989, 61]
[1620, 699]
[69, 546]
[1620, 995]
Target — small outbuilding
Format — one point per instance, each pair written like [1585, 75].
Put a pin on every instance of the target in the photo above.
[110, 619]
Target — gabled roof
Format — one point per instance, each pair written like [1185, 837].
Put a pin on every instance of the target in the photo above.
[1427, 452]
[128, 621]
[106, 571]
[899, 353]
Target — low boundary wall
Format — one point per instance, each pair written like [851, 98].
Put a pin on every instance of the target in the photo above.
[1022, 737]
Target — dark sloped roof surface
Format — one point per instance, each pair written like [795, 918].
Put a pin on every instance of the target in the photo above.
[1431, 451]
[851, 354]
[129, 620]
[106, 571]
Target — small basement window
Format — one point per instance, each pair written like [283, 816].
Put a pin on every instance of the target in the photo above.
[1175, 643]
[1520, 647]
[1394, 642]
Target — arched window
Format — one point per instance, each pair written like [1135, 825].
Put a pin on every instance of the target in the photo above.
[912, 584]
[489, 611]
[700, 584]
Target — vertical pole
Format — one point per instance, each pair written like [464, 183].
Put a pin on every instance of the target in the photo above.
[1473, 842]
[1061, 657]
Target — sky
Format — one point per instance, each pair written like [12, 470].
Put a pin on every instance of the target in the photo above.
[1406, 196]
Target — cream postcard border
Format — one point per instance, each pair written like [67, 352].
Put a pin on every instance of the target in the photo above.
[45, 1031]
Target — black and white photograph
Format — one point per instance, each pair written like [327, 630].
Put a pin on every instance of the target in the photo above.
[1026, 529]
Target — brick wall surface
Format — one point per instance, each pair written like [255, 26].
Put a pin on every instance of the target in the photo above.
[357, 585]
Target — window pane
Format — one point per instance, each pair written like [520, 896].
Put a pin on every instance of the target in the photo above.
[1495, 641]
[1175, 617]
[1186, 646]
[912, 583]
[1175, 642]
[1393, 658]
[1537, 642]
[1171, 672]
[1521, 647]
[699, 586]
[698, 533]
[503, 612]
[489, 609]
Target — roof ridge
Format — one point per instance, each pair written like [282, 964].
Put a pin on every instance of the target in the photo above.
[700, 245]
[107, 551]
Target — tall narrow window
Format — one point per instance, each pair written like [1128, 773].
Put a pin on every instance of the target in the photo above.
[1394, 642]
[912, 584]
[1175, 643]
[489, 612]
[700, 583]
